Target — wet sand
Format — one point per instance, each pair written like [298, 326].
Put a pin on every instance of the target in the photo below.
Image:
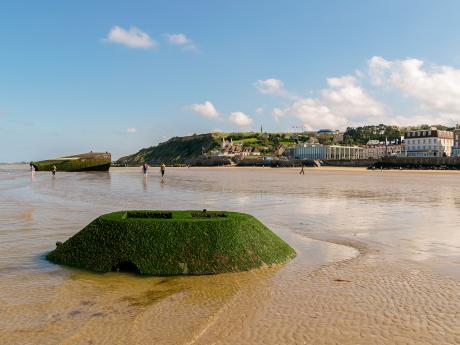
[358, 301]
[353, 282]
[290, 170]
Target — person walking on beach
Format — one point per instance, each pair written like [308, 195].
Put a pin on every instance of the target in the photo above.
[302, 172]
[53, 170]
[145, 168]
[162, 168]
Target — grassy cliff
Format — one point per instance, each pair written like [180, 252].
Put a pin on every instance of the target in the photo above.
[176, 150]
[180, 150]
[173, 243]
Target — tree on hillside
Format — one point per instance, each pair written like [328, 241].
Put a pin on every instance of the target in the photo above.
[361, 135]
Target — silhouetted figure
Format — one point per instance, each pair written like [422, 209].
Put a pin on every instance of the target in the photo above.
[302, 172]
[163, 169]
[53, 171]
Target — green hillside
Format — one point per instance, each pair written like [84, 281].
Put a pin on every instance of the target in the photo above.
[182, 150]
[176, 150]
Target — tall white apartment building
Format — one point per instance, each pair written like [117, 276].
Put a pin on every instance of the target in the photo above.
[428, 143]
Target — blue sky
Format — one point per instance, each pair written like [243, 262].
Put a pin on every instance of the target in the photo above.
[118, 76]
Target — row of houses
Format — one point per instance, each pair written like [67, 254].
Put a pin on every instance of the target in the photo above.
[418, 143]
[230, 149]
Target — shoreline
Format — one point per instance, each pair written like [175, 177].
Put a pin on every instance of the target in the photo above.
[307, 169]
[293, 169]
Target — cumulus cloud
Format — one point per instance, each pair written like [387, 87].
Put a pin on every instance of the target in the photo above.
[270, 86]
[435, 88]
[181, 40]
[273, 86]
[418, 119]
[205, 109]
[312, 113]
[208, 110]
[344, 102]
[346, 98]
[133, 38]
[240, 119]
[131, 130]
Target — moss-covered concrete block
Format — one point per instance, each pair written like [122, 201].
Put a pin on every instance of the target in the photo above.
[173, 243]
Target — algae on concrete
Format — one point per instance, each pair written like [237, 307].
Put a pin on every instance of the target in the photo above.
[91, 161]
[173, 243]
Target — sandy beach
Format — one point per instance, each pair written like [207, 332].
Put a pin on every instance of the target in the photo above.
[357, 279]
[363, 300]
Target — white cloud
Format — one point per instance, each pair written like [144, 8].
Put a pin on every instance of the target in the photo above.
[435, 88]
[344, 102]
[240, 119]
[131, 130]
[312, 113]
[177, 39]
[181, 40]
[205, 109]
[133, 37]
[259, 110]
[270, 86]
[346, 98]
[423, 118]
[273, 86]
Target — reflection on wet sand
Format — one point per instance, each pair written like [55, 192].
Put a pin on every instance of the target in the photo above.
[388, 294]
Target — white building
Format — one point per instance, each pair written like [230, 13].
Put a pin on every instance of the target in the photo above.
[328, 152]
[428, 143]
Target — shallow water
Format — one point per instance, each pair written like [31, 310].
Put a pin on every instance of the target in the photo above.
[408, 216]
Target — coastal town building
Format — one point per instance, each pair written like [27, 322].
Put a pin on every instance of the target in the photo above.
[328, 152]
[310, 151]
[289, 152]
[230, 149]
[327, 132]
[338, 137]
[313, 140]
[428, 143]
[456, 147]
[377, 152]
[376, 149]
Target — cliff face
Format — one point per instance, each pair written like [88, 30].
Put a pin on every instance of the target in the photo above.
[177, 150]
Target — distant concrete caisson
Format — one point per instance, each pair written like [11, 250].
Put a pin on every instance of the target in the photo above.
[91, 161]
